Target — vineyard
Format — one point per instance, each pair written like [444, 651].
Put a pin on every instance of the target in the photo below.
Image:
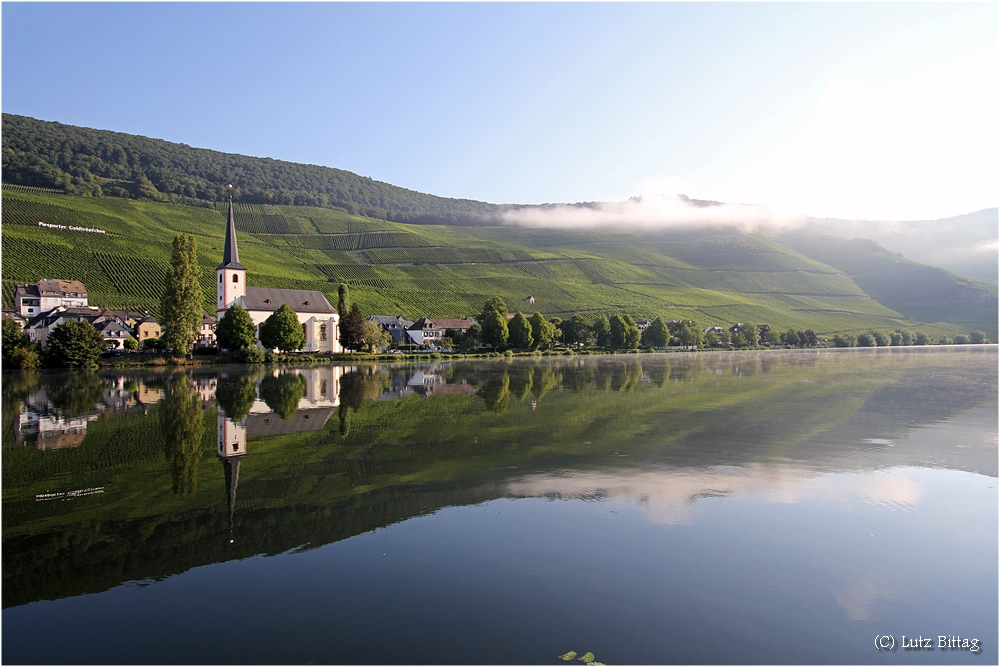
[712, 277]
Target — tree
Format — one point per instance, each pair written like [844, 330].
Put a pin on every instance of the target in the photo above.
[896, 339]
[282, 330]
[617, 331]
[493, 320]
[18, 351]
[374, 336]
[844, 340]
[236, 330]
[576, 331]
[74, 345]
[519, 331]
[182, 300]
[236, 395]
[283, 393]
[342, 303]
[543, 331]
[352, 329]
[495, 330]
[181, 417]
[977, 337]
[687, 333]
[944, 340]
[790, 338]
[750, 334]
[921, 339]
[131, 344]
[960, 339]
[866, 340]
[602, 331]
[881, 339]
[656, 334]
[632, 333]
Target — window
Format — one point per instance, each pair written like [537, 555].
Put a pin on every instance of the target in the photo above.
[305, 332]
[322, 388]
[236, 277]
[220, 277]
[322, 332]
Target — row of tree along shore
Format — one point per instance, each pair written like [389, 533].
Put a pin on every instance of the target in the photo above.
[78, 344]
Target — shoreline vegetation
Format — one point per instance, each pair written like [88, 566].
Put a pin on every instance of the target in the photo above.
[139, 360]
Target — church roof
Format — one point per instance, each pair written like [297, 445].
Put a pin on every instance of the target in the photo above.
[230, 253]
[299, 300]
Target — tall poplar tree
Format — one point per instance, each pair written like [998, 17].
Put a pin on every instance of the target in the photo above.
[183, 300]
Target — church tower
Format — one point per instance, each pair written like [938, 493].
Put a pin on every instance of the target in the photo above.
[230, 276]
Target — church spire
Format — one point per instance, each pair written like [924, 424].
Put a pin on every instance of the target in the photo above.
[231, 254]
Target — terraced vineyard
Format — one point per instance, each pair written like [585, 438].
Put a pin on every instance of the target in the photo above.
[715, 277]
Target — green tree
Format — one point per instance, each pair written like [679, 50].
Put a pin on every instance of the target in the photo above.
[602, 331]
[18, 350]
[183, 298]
[866, 340]
[896, 338]
[617, 331]
[236, 330]
[236, 395]
[844, 340]
[921, 339]
[375, 337]
[960, 339]
[688, 334]
[131, 344]
[542, 331]
[74, 345]
[656, 334]
[182, 418]
[881, 339]
[576, 331]
[283, 393]
[632, 333]
[519, 331]
[944, 340]
[493, 321]
[495, 391]
[750, 334]
[282, 330]
[790, 338]
[977, 337]
[75, 394]
[342, 299]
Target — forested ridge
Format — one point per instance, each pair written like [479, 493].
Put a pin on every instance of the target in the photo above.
[83, 161]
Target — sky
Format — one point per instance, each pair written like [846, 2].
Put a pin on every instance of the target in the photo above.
[880, 111]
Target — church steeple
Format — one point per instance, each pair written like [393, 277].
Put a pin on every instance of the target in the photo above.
[230, 282]
[230, 253]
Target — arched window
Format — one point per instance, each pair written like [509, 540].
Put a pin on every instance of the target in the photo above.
[220, 277]
[236, 277]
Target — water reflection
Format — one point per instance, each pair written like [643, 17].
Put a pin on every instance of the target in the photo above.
[665, 433]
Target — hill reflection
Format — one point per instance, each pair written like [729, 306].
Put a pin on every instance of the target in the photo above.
[663, 431]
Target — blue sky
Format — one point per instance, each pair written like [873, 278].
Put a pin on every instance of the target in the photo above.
[879, 111]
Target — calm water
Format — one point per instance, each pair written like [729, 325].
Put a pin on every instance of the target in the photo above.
[687, 508]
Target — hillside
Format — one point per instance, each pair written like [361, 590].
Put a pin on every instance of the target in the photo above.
[713, 276]
[83, 161]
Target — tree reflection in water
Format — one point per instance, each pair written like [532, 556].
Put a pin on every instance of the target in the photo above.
[182, 421]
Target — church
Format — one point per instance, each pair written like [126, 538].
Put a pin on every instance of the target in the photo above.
[318, 318]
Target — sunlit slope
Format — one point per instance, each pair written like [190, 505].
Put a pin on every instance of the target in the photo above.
[711, 276]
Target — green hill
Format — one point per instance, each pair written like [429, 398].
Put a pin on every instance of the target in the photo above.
[80, 160]
[713, 276]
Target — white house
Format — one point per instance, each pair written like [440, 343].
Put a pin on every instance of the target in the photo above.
[318, 318]
[48, 293]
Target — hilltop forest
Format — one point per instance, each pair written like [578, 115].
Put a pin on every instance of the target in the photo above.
[82, 161]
